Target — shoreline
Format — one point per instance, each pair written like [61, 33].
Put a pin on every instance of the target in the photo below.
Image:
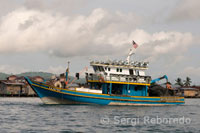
[16, 95]
[2, 95]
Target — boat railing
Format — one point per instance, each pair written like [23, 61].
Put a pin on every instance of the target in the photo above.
[119, 78]
[135, 64]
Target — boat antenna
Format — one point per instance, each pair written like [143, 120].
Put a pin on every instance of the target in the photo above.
[68, 64]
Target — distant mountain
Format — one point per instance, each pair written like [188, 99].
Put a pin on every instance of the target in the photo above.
[45, 75]
[3, 76]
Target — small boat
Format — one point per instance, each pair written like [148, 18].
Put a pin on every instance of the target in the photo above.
[111, 83]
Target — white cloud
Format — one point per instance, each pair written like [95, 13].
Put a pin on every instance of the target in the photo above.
[186, 10]
[12, 69]
[164, 43]
[26, 30]
[100, 33]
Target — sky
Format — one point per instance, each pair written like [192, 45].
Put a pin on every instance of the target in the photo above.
[44, 35]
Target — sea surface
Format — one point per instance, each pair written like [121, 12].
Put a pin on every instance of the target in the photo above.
[31, 115]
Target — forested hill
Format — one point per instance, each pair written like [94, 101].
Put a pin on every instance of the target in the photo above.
[31, 74]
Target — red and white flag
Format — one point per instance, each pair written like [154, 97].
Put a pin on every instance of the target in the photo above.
[135, 45]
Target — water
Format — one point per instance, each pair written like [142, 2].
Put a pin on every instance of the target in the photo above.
[30, 115]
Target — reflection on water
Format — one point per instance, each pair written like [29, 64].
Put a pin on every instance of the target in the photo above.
[30, 114]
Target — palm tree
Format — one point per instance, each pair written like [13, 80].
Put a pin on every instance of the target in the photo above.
[179, 82]
[187, 82]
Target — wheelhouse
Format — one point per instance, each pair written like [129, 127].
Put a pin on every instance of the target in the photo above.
[119, 78]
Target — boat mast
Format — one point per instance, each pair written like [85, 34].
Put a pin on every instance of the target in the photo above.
[132, 51]
[129, 55]
[67, 72]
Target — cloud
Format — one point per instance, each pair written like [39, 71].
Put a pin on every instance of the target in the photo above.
[55, 69]
[164, 44]
[12, 69]
[8, 5]
[36, 28]
[100, 33]
[186, 10]
[65, 6]
[26, 30]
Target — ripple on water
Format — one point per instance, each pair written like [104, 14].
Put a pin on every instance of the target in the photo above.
[31, 115]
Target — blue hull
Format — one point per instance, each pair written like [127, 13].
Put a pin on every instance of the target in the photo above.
[53, 95]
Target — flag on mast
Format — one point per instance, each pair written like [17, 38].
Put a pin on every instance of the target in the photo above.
[135, 45]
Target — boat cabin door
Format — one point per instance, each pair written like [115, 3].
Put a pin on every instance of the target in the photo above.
[131, 71]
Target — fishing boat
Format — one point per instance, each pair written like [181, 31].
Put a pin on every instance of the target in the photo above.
[111, 83]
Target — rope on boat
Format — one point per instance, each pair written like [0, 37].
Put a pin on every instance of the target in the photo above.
[68, 85]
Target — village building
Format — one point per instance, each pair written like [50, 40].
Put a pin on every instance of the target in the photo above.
[190, 92]
[12, 78]
[38, 79]
[16, 86]
[20, 79]
[11, 88]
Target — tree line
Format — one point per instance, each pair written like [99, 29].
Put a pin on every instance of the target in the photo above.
[187, 82]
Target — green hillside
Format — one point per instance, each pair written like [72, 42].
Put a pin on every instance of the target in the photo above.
[3, 76]
[45, 75]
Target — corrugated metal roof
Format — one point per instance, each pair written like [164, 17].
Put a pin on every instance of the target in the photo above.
[187, 88]
[12, 83]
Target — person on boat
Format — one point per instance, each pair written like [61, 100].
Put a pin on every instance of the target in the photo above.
[170, 89]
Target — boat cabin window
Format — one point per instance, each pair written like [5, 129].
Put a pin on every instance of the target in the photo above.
[95, 68]
[109, 69]
[117, 69]
[105, 68]
[137, 72]
[100, 68]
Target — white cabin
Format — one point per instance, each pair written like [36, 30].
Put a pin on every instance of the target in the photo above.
[121, 71]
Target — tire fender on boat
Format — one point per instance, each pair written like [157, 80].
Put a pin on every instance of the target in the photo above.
[58, 84]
